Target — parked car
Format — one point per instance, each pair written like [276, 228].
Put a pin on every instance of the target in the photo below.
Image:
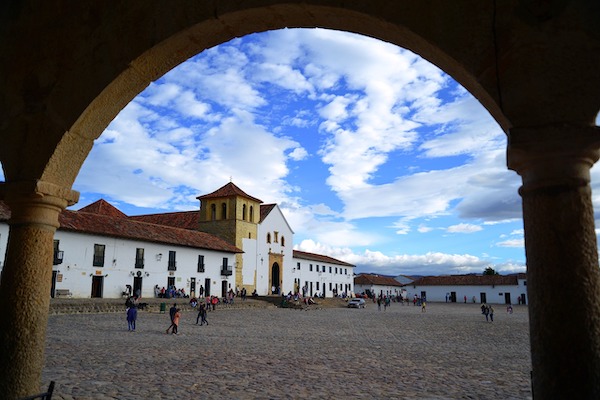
[357, 303]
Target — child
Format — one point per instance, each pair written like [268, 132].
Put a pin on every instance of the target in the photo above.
[176, 321]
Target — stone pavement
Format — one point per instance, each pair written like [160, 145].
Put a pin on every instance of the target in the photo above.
[448, 352]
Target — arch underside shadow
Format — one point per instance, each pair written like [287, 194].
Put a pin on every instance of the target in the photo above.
[153, 58]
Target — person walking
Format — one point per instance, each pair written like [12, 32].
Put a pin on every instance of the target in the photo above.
[202, 315]
[176, 321]
[172, 312]
[131, 318]
[491, 314]
[201, 308]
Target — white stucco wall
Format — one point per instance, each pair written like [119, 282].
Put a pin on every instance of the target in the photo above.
[343, 277]
[385, 290]
[493, 295]
[249, 258]
[77, 270]
[274, 222]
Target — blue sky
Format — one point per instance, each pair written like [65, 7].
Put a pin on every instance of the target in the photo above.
[375, 156]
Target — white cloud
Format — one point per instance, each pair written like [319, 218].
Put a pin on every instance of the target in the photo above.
[512, 243]
[464, 228]
[298, 154]
[424, 229]
[432, 263]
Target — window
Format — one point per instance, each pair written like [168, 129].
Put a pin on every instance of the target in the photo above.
[58, 255]
[139, 258]
[310, 267]
[251, 214]
[99, 255]
[226, 269]
[213, 212]
[276, 235]
[172, 266]
[336, 270]
[330, 286]
[329, 269]
[282, 241]
[223, 211]
[268, 237]
[200, 263]
[244, 212]
[324, 269]
[317, 285]
[345, 271]
[298, 266]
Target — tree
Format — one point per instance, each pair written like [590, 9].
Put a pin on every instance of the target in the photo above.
[490, 271]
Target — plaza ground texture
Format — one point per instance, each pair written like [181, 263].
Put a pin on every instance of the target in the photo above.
[259, 351]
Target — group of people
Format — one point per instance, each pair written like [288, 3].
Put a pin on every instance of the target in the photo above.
[207, 302]
[170, 293]
[488, 312]
[175, 315]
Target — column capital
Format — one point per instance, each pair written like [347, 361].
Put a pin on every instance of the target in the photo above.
[554, 155]
[36, 202]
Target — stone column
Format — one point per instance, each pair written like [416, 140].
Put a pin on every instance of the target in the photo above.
[563, 277]
[26, 283]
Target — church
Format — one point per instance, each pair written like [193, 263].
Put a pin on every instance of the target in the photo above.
[233, 241]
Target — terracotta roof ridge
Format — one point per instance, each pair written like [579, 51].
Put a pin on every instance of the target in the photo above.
[103, 207]
[229, 190]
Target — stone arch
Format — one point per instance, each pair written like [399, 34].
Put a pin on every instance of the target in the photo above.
[533, 65]
[156, 51]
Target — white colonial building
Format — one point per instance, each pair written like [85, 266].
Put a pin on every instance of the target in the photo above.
[494, 289]
[378, 286]
[232, 242]
[316, 274]
[98, 251]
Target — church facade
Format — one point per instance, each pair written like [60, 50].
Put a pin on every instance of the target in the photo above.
[232, 242]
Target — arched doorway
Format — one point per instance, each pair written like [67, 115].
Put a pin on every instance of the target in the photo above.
[275, 279]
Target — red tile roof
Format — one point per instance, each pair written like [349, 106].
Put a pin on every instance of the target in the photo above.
[102, 207]
[318, 257]
[469, 280]
[372, 279]
[183, 220]
[126, 228]
[265, 209]
[229, 190]
[101, 218]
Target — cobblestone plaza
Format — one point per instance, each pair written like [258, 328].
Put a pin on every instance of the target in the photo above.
[447, 352]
